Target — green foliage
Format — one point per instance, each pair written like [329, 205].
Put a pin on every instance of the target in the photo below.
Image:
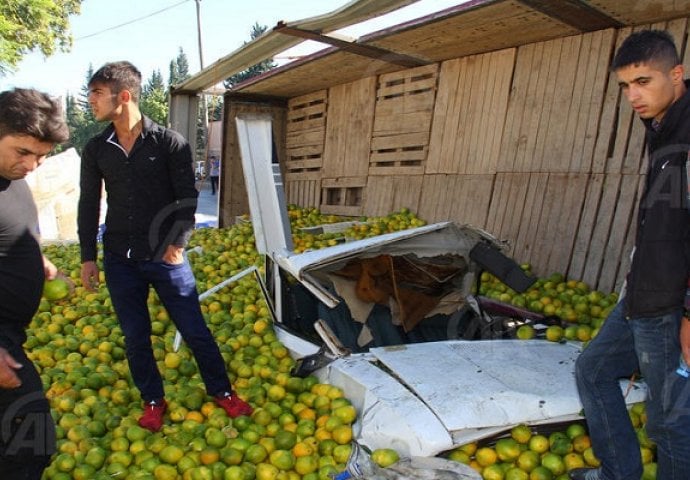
[82, 124]
[28, 25]
[179, 69]
[154, 99]
[254, 70]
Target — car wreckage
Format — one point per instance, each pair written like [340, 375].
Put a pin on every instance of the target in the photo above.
[392, 321]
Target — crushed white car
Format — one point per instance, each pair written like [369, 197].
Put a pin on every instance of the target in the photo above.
[419, 393]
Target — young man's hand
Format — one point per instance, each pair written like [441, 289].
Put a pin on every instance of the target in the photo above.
[89, 275]
[173, 255]
[8, 367]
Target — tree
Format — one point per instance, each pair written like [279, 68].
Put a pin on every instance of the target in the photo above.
[80, 119]
[179, 69]
[27, 25]
[154, 99]
[254, 70]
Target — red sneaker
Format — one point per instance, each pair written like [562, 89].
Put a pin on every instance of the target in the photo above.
[152, 419]
[233, 405]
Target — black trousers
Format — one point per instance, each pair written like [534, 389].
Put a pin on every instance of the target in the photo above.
[27, 430]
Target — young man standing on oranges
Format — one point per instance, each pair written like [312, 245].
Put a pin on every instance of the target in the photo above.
[148, 175]
[649, 330]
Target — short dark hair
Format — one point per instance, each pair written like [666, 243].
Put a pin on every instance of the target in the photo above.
[647, 46]
[25, 111]
[119, 76]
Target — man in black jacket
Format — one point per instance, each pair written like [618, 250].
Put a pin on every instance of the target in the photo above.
[149, 179]
[649, 330]
[31, 123]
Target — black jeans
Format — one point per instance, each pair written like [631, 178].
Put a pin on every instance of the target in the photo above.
[214, 184]
[27, 430]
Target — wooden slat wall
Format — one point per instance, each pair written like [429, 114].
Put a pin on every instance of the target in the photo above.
[469, 113]
[535, 144]
[556, 97]
[392, 192]
[461, 198]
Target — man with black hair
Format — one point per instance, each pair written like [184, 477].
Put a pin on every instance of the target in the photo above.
[148, 175]
[31, 124]
[649, 329]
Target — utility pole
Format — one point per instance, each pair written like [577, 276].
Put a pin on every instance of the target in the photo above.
[204, 104]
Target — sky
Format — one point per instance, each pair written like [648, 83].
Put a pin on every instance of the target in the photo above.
[150, 33]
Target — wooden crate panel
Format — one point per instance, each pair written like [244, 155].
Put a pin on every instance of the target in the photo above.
[402, 154]
[555, 103]
[461, 198]
[306, 132]
[343, 195]
[304, 193]
[348, 130]
[306, 108]
[387, 194]
[469, 113]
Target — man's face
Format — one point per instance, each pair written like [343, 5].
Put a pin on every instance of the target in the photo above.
[650, 89]
[104, 103]
[21, 154]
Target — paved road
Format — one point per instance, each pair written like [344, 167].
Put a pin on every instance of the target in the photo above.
[207, 208]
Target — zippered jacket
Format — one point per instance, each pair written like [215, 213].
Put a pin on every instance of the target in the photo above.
[660, 268]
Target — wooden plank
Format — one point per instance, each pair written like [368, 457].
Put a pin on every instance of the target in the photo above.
[297, 118]
[304, 193]
[398, 141]
[434, 201]
[442, 112]
[386, 194]
[556, 151]
[602, 228]
[347, 144]
[346, 211]
[455, 118]
[295, 176]
[533, 109]
[304, 152]
[517, 101]
[404, 123]
[548, 113]
[469, 121]
[300, 139]
[507, 206]
[594, 85]
[470, 200]
[630, 240]
[407, 167]
[313, 164]
[623, 224]
[493, 121]
[308, 99]
[614, 123]
[562, 225]
[408, 103]
[307, 124]
[524, 246]
[588, 222]
[344, 182]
